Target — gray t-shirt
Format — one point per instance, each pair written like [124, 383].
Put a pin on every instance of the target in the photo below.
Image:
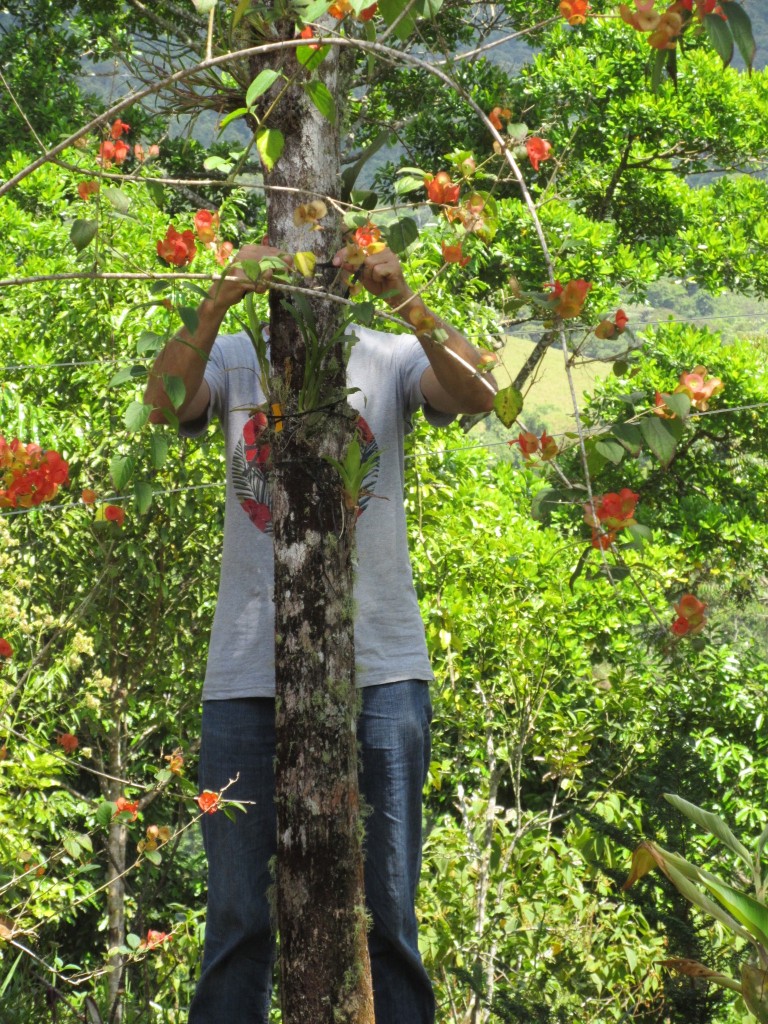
[389, 634]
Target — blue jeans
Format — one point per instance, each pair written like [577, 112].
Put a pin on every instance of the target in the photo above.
[239, 737]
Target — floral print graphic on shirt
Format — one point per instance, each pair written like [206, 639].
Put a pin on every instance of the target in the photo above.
[250, 470]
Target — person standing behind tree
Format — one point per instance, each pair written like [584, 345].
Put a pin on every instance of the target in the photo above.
[394, 375]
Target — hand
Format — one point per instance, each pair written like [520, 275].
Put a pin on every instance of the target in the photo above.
[234, 283]
[380, 274]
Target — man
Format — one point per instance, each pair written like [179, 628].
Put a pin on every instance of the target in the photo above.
[394, 375]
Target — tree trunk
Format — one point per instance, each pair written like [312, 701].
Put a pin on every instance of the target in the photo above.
[117, 839]
[325, 971]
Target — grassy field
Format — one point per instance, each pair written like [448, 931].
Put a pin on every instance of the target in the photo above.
[547, 395]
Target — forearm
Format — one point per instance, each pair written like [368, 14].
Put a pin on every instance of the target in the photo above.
[185, 356]
[458, 366]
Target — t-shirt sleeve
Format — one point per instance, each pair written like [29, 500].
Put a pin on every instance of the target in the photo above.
[413, 363]
[215, 377]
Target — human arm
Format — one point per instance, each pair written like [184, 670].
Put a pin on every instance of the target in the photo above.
[449, 384]
[185, 355]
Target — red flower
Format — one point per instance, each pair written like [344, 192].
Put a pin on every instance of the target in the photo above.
[612, 328]
[603, 540]
[538, 150]
[127, 807]
[106, 153]
[574, 11]
[440, 188]
[690, 616]
[497, 115]
[368, 12]
[612, 511]
[569, 299]
[28, 475]
[6, 651]
[529, 444]
[122, 149]
[367, 235]
[621, 320]
[454, 254]
[87, 188]
[549, 447]
[154, 939]
[307, 33]
[208, 801]
[177, 249]
[68, 742]
[206, 224]
[118, 127]
[114, 514]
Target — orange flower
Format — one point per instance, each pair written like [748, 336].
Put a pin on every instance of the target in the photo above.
[368, 12]
[574, 11]
[206, 223]
[118, 128]
[175, 762]
[122, 149]
[6, 651]
[127, 807]
[528, 442]
[88, 496]
[177, 249]
[307, 33]
[367, 235]
[454, 254]
[155, 939]
[28, 475]
[114, 514]
[499, 114]
[440, 188]
[613, 511]
[612, 328]
[68, 742]
[568, 300]
[87, 188]
[340, 9]
[208, 801]
[549, 446]
[223, 253]
[690, 616]
[661, 408]
[699, 387]
[537, 150]
[106, 153]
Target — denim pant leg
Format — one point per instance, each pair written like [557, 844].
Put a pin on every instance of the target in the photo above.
[236, 978]
[393, 730]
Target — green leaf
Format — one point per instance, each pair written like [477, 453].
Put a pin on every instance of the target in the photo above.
[741, 28]
[310, 58]
[233, 115]
[118, 199]
[611, 450]
[158, 450]
[310, 10]
[710, 823]
[408, 183]
[189, 318]
[240, 10]
[105, 812]
[401, 234]
[390, 10]
[628, 435]
[154, 857]
[754, 989]
[321, 96]
[263, 81]
[121, 469]
[72, 846]
[83, 233]
[747, 911]
[661, 436]
[142, 496]
[150, 343]
[351, 174]
[679, 403]
[517, 131]
[365, 198]
[127, 373]
[508, 404]
[156, 193]
[363, 313]
[218, 163]
[269, 142]
[174, 388]
[136, 416]
[657, 69]
[641, 535]
[545, 502]
[720, 37]
[132, 941]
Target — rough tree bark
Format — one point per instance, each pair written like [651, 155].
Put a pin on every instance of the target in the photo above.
[325, 971]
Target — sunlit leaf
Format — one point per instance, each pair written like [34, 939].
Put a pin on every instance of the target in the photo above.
[508, 404]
